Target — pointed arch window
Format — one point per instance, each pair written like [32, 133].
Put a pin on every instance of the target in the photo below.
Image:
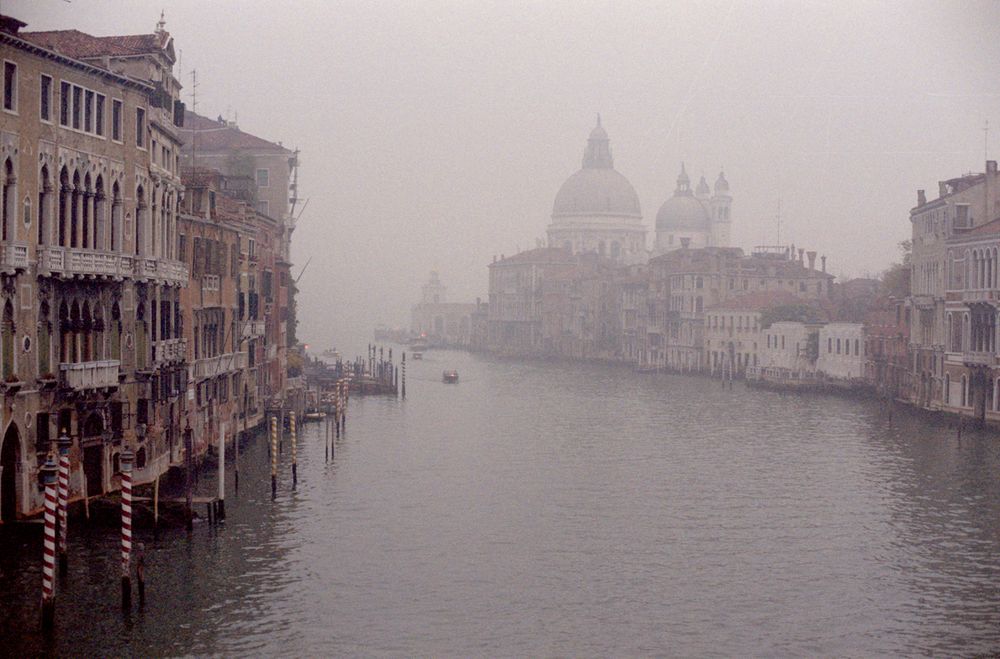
[7, 339]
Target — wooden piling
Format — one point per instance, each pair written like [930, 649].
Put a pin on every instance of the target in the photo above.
[295, 453]
[274, 457]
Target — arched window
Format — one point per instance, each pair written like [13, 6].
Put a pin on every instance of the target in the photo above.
[116, 218]
[65, 200]
[44, 197]
[9, 200]
[75, 324]
[116, 332]
[87, 216]
[43, 339]
[965, 392]
[7, 339]
[65, 334]
[100, 211]
[140, 337]
[947, 389]
[140, 232]
[86, 330]
[74, 211]
[98, 332]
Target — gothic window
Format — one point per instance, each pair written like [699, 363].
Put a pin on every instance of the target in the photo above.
[7, 339]
[9, 199]
[100, 210]
[44, 194]
[44, 341]
[116, 218]
[116, 332]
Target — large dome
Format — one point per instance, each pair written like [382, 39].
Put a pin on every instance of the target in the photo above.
[597, 192]
[597, 189]
[682, 212]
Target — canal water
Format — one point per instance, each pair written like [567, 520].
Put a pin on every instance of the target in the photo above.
[540, 509]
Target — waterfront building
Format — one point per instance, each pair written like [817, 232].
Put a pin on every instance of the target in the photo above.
[514, 324]
[887, 354]
[90, 279]
[596, 209]
[633, 310]
[579, 310]
[694, 219]
[734, 329]
[790, 351]
[444, 323]
[963, 204]
[263, 174]
[841, 351]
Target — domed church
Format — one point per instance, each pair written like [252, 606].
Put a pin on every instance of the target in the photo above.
[597, 209]
[694, 219]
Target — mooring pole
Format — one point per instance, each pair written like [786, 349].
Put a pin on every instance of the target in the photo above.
[140, 571]
[64, 442]
[221, 512]
[295, 452]
[274, 457]
[48, 472]
[126, 458]
[188, 462]
[404, 375]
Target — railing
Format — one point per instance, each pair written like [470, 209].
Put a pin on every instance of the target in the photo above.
[90, 375]
[170, 350]
[253, 329]
[83, 262]
[14, 256]
[212, 366]
[166, 270]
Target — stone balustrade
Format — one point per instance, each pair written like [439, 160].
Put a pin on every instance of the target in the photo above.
[90, 375]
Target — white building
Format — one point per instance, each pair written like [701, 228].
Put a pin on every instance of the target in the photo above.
[841, 351]
[787, 350]
[597, 209]
[694, 219]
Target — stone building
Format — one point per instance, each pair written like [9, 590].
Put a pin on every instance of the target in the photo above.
[596, 209]
[841, 351]
[694, 219]
[444, 323]
[962, 205]
[887, 355]
[514, 324]
[90, 279]
[734, 330]
[580, 310]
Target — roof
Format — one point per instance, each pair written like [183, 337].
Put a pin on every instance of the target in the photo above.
[597, 191]
[988, 229]
[539, 255]
[759, 301]
[80, 45]
[221, 135]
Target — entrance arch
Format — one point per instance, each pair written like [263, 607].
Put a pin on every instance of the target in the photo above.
[10, 471]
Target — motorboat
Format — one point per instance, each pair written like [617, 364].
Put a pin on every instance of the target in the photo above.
[450, 377]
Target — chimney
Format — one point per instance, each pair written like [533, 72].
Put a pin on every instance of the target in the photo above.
[791, 257]
[685, 242]
[921, 197]
[812, 260]
[822, 260]
[801, 259]
[991, 166]
[942, 188]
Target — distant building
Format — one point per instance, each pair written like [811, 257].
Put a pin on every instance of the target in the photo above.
[597, 210]
[443, 322]
[841, 351]
[734, 333]
[514, 324]
[694, 219]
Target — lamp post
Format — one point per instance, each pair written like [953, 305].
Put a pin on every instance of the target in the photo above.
[64, 442]
[48, 472]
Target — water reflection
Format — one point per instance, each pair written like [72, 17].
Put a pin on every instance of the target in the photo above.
[563, 509]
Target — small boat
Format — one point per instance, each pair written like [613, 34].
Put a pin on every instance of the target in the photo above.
[450, 377]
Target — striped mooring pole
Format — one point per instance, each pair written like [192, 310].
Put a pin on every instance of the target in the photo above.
[64, 442]
[48, 471]
[295, 452]
[404, 375]
[126, 458]
[274, 456]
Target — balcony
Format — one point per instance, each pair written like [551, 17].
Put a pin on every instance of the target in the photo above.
[14, 256]
[90, 375]
[209, 367]
[84, 263]
[165, 271]
[170, 350]
[252, 329]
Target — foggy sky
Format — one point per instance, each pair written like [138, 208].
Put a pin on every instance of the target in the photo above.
[435, 135]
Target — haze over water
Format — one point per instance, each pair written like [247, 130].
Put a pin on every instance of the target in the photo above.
[552, 509]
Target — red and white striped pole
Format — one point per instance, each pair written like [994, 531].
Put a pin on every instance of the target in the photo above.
[64, 442]
[48, 471]
[126, 458]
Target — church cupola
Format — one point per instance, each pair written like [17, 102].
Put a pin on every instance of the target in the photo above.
[598, 152]
[702, 190]
[683, 184]
[721, 184]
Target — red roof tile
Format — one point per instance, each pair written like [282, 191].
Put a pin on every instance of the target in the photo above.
[79, 45]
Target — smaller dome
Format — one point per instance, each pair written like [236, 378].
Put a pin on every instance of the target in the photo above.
[721, 184]
[682, 212]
